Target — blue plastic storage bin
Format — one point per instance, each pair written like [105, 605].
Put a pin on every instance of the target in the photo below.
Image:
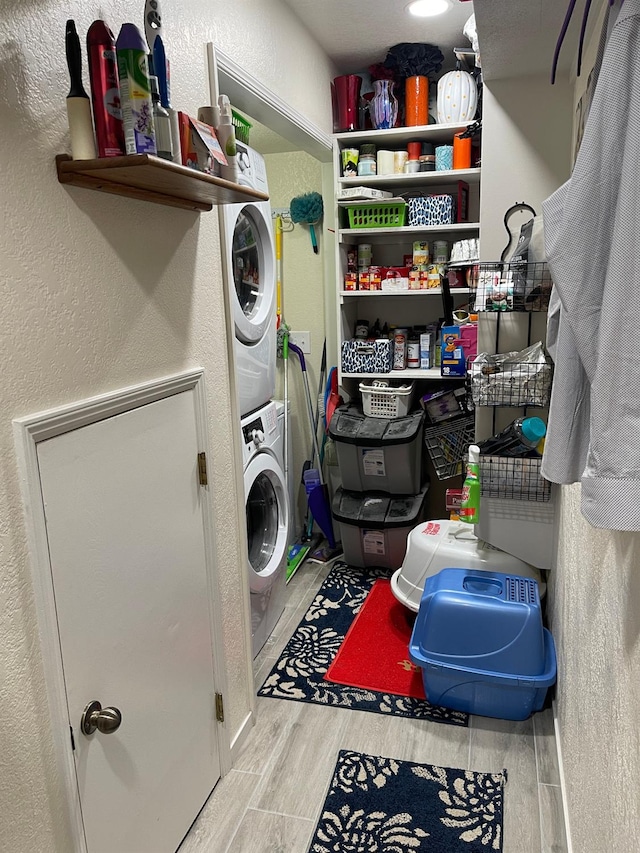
[480, 643]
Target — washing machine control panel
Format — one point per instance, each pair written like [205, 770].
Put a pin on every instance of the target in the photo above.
[254, 433]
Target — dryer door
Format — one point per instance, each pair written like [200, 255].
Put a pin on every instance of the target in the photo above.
[251, 267]
[267, 520]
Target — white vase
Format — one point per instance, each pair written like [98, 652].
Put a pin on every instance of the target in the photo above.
[457, 97]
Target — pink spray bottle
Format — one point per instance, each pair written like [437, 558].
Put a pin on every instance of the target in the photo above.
[105, 90]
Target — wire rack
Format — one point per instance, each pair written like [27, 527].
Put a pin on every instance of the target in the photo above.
[510, 384]
[505, 287]
[513, 479]
[448, 444]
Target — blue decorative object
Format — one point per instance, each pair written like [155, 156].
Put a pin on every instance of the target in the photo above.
[444, 158]
[384, 105]
[384, 804]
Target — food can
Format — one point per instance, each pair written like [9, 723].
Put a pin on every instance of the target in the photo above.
[413, 354]
[440, 252]
[400, 349]
[364, 255]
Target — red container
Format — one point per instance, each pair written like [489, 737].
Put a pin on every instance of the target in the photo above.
[345, 97]
[414, 150]
[105, 90]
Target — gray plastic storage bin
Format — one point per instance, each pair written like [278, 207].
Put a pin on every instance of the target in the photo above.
[374, 527]
[378, 454]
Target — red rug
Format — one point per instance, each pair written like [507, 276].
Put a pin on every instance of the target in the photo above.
[374, 654]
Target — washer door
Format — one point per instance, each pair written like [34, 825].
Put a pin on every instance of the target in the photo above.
[251, 266]
[267, 519]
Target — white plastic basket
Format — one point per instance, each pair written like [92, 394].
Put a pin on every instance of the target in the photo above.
[380, 400]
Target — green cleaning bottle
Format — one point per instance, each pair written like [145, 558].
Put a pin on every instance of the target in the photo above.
[470, 505]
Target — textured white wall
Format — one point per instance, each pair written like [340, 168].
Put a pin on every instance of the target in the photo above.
[594, 602]
[595, 618]
[291, 175]
[526, 144]
[99, 293]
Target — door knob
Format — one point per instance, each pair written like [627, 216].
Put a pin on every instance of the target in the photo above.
[94, 716]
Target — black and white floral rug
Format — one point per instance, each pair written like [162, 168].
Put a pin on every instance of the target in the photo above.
[380, 804]
[298, 674]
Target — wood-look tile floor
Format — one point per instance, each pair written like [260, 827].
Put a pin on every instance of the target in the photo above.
[271, 800]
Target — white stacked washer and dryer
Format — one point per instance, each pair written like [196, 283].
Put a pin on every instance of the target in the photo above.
[250, 273]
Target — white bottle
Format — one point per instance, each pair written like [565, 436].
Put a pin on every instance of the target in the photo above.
[227, 137]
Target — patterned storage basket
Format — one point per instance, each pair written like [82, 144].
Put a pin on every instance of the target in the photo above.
[367, 356]
[432, 210]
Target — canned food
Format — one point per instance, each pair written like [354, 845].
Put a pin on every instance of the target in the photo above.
[440, 252]
[413, 354]
[400, 349]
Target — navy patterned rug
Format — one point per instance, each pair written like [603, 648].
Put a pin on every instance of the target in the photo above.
[298, 674]
[400, 807]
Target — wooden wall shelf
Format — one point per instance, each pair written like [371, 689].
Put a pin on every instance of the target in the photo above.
[153, 179]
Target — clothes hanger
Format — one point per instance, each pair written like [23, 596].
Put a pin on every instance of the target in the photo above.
[563, 33]
[519, 205]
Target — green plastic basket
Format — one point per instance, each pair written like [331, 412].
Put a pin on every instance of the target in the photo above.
[242, 126]
[377, 215]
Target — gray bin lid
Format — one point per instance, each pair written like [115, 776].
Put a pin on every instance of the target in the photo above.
[367, 509]
[350, 426]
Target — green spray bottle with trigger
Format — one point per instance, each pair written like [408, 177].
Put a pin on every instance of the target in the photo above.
[470, 504]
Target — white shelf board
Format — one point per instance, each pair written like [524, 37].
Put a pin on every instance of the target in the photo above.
[415, 179]
[348, 235]
[400, 135]
[409, 373]
[430, 291]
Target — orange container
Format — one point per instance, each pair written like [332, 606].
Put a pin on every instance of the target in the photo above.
[461, 152]
[416, 101]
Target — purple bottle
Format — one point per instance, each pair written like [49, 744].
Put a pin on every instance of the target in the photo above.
[135, 92]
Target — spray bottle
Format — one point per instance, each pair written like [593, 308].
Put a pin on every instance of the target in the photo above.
[105, 90]
[135, 92]
[227, 137]
[470, 503]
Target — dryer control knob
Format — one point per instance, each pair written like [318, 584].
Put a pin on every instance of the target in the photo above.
[258, 437]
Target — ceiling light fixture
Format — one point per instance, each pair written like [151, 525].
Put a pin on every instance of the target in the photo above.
[427, 8]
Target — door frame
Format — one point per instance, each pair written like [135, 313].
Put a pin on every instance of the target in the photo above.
[28, 432]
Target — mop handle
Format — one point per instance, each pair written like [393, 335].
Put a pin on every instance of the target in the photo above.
[295, 348]
[278, 271]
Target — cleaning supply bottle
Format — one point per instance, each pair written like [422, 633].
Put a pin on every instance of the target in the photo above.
[470, 503]
[520, 438]
[135, 92]
[105, 90]
[78, 103]
[162, 123]
[227, 138]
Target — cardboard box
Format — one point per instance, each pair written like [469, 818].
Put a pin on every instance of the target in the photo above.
[395, 279]
[452, 361]
[363, 193]
[200, 147]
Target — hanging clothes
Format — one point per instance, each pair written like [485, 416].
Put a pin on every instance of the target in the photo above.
[592, 242]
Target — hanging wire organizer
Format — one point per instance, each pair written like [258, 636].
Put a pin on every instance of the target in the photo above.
[499, 288]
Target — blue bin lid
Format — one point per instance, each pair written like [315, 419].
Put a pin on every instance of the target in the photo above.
[487, 621]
